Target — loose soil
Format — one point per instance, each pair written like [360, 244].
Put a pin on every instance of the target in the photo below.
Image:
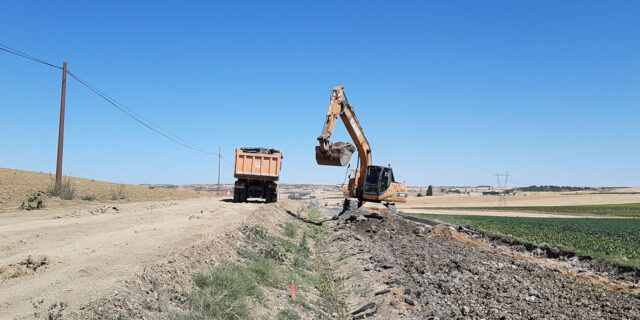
[437, 272]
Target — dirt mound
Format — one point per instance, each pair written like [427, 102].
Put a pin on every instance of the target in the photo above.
[447, 274]
[17, 185]
[25, 267]
[451, 233]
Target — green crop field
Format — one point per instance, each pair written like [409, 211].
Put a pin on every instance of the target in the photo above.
[616, 240]
[620, 210]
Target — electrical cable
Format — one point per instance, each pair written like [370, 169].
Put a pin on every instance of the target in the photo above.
[227, 161]
[26, 56]
[139, 119]
[130, 113]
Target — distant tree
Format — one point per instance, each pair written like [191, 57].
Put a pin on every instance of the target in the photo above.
[419, 194]
[429, 191]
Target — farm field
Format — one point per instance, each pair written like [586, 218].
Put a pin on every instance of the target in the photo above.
[525, 199]
[620, 210]
[615, 240]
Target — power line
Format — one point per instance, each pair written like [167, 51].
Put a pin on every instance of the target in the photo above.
[26, 56]
[133, 115]
[503, 179]
[227, 161]
[130, 113]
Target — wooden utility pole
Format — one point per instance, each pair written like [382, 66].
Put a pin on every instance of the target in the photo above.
[61, 127]
[219, 156]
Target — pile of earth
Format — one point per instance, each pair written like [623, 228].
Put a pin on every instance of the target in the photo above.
[446, 274]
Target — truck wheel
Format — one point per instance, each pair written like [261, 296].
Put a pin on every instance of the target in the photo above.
[274, 197]
[235, 196]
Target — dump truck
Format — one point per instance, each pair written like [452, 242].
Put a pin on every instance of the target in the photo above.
[257, 170]
[369, 183]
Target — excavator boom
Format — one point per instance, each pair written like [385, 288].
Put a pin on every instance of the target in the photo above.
[339, 153]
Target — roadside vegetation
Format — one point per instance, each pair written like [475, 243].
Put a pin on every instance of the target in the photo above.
[34, 202]
[614, 210]
[89, 197]
[119, 193]
[269, 264]
[63, 190]
[614, 240]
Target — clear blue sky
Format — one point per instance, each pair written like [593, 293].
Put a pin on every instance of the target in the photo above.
[448, 92]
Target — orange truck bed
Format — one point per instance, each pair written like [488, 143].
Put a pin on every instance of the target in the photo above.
[258, 164]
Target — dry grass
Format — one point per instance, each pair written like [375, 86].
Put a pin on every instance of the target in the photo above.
[17, 185]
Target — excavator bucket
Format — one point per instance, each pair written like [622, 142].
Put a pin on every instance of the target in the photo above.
[339, 154]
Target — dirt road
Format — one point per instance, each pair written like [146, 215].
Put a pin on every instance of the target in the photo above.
[77, 255]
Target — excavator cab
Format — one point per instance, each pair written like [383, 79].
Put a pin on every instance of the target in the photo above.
[377, 180]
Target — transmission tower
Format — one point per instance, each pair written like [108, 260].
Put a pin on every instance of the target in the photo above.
[503, 179]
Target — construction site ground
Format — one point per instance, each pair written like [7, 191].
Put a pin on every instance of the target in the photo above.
[137, 259]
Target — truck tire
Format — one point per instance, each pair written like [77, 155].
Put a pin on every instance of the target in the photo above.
[239, 195]
[244, 197]
[270, 196]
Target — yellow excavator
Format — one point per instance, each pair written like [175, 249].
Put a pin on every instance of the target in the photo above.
[369, 182]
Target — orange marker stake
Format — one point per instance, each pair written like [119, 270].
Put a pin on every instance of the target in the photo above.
[293, 291]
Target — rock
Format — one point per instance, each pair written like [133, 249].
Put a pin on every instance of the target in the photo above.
[537, 252]
[409, 302]
[365, 307]
[383, 291]
[365, 314]
[465, 310]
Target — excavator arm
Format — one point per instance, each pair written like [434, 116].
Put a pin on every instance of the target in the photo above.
[371, 183]
[339, 153]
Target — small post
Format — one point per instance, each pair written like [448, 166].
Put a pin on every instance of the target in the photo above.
[293, 291]
[61, 127]
[219, 156]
